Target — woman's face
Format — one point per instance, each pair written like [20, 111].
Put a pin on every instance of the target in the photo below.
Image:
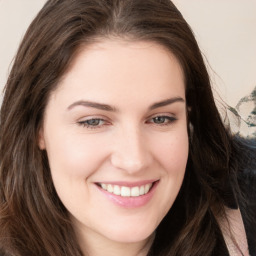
[115, 131]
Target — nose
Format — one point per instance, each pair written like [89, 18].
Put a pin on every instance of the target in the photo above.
[130, 151]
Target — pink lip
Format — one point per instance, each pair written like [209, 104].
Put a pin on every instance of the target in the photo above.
[130, 202]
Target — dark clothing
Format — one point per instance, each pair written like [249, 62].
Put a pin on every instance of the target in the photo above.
[246, 178]
[247, 182]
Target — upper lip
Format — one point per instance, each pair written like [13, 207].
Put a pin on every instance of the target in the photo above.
[128, 183]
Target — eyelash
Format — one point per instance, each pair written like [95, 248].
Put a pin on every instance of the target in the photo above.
[166, 120]
[86, 123]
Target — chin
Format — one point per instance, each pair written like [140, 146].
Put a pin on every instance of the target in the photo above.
[130, 234]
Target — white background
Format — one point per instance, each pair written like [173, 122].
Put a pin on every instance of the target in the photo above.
[225, 30]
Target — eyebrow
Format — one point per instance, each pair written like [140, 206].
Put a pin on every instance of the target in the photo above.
[166, 102]
[92, 105]
[106, 107]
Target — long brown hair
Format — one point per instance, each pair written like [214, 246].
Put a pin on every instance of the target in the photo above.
[33, 220]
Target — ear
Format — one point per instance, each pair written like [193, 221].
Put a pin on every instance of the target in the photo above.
[41, 140]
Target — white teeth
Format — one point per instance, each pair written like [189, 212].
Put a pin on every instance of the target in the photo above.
[127, 191]
[142, 190]
[110, 188]
[104, 186]
[135, 191]
[147, 188]
[117, 190]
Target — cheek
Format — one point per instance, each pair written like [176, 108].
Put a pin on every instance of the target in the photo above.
[75, 156]
[73, 159]
[172, 153]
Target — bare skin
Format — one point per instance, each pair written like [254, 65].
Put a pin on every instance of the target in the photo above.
[234, 233]
[118, 119]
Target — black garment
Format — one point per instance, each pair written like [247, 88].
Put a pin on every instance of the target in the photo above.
[248, 185]
[247, 181]
[246, 177]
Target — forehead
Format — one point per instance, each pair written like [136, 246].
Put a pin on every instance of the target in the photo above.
[123, 68]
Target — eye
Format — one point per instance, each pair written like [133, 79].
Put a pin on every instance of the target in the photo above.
[93, 123]
[162, 120]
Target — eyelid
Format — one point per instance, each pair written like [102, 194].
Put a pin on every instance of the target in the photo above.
[170, 117]
[103, 121]
[84, 122]
[162, 114]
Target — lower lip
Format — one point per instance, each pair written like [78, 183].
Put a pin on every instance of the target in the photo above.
[130, 202]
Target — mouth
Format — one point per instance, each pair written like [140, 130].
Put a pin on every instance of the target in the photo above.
[129, 195]
[127, 191]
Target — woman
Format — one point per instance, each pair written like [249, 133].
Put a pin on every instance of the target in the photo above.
[111, 142]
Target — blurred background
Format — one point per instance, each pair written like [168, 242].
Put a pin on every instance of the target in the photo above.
[225, 31]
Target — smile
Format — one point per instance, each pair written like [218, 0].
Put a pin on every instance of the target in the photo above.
[125, 191]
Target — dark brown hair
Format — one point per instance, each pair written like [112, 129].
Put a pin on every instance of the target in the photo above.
[33, 221]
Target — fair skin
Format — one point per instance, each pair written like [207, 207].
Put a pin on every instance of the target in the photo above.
[117, 121]
[234, 234]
